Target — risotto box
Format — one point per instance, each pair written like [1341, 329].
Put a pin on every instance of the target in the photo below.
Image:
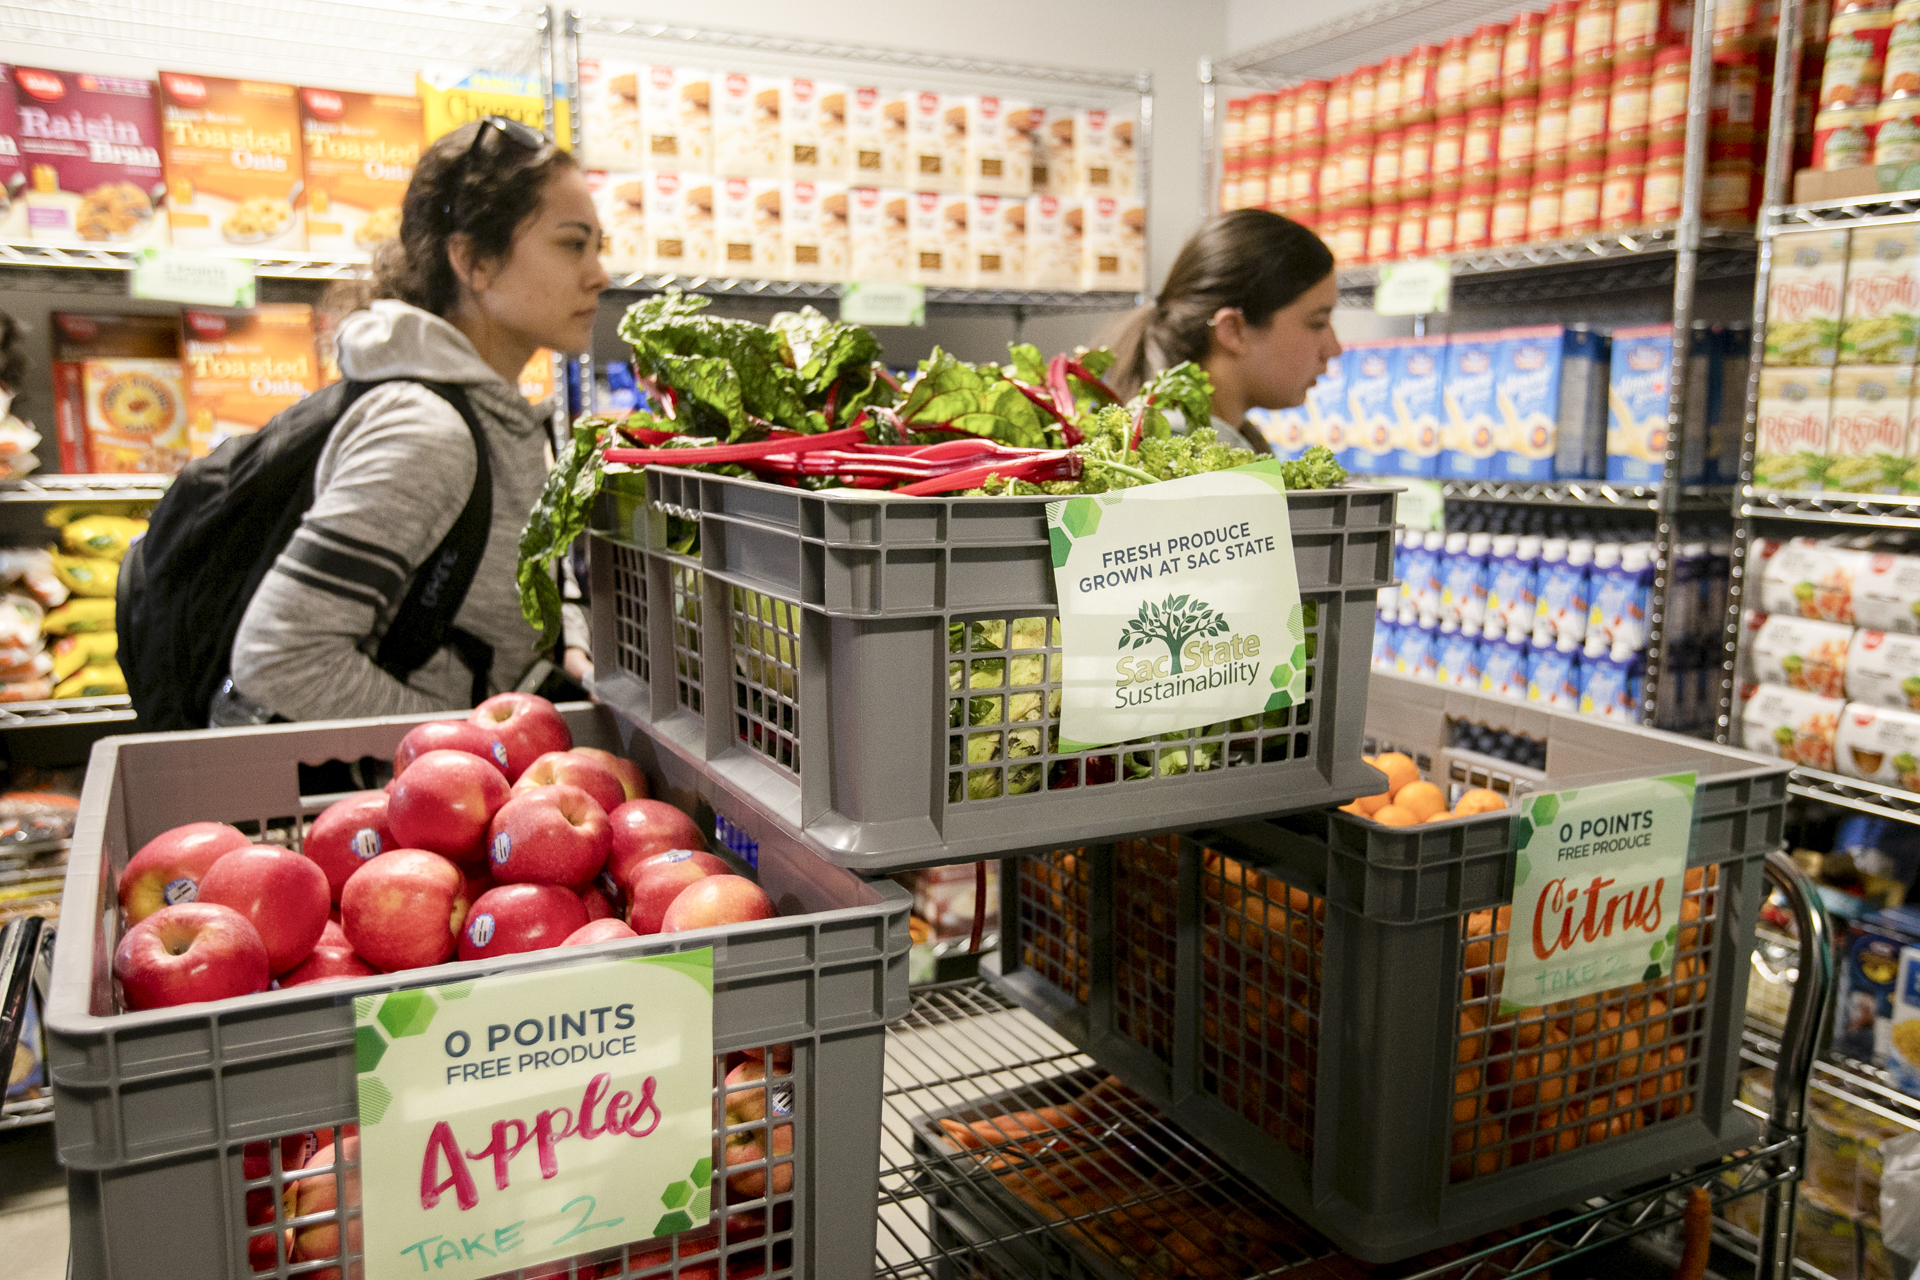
[232, 150]
[91, 149]
[1805, 287]
[1880, 322]
[242, 368]
[1871, 444]
[360, 152]
[1792, 427]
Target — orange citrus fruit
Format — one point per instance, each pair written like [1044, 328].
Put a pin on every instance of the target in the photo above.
[1399, 770]
[1443, 816]
[1394, 816]
[1479, 800]
[1421, 799]
[1367, 806]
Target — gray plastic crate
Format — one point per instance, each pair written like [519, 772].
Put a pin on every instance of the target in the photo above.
[157, 1113]
[877, 672]
[1330, 1025]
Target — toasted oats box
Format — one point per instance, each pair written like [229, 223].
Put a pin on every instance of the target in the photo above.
[242, 368]
[360, 152]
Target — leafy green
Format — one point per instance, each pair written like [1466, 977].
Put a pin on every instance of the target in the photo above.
[977, 399]
[1317, 468]
[1027, 363]
[560, 516]
[1185, 387]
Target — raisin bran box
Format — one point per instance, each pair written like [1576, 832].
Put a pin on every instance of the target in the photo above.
[91, 149]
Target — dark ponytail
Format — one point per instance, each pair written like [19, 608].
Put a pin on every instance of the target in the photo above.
[486, 192]
[1251, 259]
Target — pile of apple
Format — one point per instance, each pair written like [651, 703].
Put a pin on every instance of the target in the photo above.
[496, 836]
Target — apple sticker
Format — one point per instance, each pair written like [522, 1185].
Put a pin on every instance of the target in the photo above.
[185, 889]
[366, 843]
[500, 754]
[480, 929]
[502, 850]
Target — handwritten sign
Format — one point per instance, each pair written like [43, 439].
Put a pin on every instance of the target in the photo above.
[521, 1118]
[1597, 888]
[1179, 605]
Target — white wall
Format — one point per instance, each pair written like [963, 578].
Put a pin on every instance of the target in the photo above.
[1252, 22]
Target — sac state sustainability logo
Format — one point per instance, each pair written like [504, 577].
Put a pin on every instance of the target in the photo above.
[1194, 660]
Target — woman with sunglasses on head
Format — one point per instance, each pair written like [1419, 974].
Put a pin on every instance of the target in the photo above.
[1250, 299]
[498, 256]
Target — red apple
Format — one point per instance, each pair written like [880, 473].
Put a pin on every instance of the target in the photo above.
[598, 931]
[598, 905]
[333, 935]
[745, 1148]
[700, 858]
[527, 726]
[576, 771]
[443, 804]
[346, 834]
[320, 1194]
[642, 828]
[404, 909]
[282, 893]
[655, 886]
[190, 952]
[746, 1092]
[690, 1246]
[631, 779]
[327, 964]
[549, 835]
[521, 917]
[448, 735]
[478, 882]
[717, 900]
[167, 870]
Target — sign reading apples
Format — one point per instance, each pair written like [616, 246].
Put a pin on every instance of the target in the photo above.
[522, 1118]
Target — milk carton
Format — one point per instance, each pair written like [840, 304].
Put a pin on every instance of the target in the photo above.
[877, 230]
[1467, 395]
[1414, 375]
[928, 167]
[1880, 323]
[1792, 428]
[610, 113]
[1638, 374]
[1805, 289]
[1327, 406]
[876, 137]
[1526, 392]
[1370, 407]
[676, 119]
[996, 242]
[813, 129]
[814, 231]
[746, 124]
[1457, 661]
[1056, 238]
[1871, 443]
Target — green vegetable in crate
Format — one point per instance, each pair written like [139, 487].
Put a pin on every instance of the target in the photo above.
[70, 653]
[99, 680]
[86, 576]
[79, 616]
[765, 652]
[104, 537]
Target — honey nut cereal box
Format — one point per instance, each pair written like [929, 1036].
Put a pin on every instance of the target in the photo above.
[676, 119]
[1805, 288]
[746, 125]
[80, 336]
[136, 416]
[91, 148]
[13, 174]
[813, 130]
[1056, 235]
[1870, 440]
[1792, 428]
[1880, 323]
[620, 201]
[361, 149]
[242, 368]
[233, 161]
[876, 137]
[814, 230]
[877, 232]
[610, 114]
[449, 101]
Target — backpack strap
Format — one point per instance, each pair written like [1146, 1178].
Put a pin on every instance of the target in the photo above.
[423, 624]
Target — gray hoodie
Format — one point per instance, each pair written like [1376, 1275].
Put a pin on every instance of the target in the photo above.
[390, 483]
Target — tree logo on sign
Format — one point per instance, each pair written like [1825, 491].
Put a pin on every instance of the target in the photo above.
[1172, 622]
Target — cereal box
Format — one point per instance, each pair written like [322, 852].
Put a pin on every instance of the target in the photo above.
[1882, 311]
[360, 151]
[877, 230]
[1883, 670]
[1883, 591]
[620, 199]
[676, 119]
[929, 167]
[996, 242]
[1805, 287]
[1053, 155]
[999, 158]
[13, 174]
[1112, 255]
[679, 223]
[1055, 238]
[1879, 745]
[1792, 428]
[136, 416]
[813, 130]
[1466, 427]
[1093, 158]
[82, 336]
[1637, 403]
[746, 125]
[814, 230]
[1870, 443]
[1795, 726]
[448, 101]
[610, 114]
[244, 368]
[1802, 653]
[876, 137]
[1370, 406]
[746, 228]
[91, 149]
[1418, 365]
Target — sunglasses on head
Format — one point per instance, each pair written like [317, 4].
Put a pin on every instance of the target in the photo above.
[503, 127]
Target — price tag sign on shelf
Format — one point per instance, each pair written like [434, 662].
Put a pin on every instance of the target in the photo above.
[201, 279]
[520, 1118]
[1179, 605]
[1597, 888]
[1422, 504]
[1418, 288]
[903, 305]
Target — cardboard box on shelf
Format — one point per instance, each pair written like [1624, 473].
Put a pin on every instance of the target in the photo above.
[936, 238]
[13, 174]
[876, 137]
[1115, 244]
[1419, 364]
[814, 230]
[1466, 397]
[877, 232]
[1792, 427]
[243, 368]
[1880, 320]
[136, 417]
[1871, 443]
[103, 336]
[620, 199]
[676, 119]
[536, 377]
[999, 152]
[813, 130]
[746, 228]
[1806, 286]
[679, 214]
[449, 100]
[746, 125]
[1056, 239]
[1121, 154]
[360, 152]
[233, 157]
[1637, 404]
[997, 242]
[1093, 154]
[929, 167]
[1053, 154]
[610, 114]
[91, 149]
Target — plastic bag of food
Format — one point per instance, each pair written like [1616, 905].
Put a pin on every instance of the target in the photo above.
[77, 616]
[103, 537]
[26, 691]
[70, 653]
[32, 568]
[20, 618]
[96, 680]
[37, 666]
[87, 575]
[35, 817]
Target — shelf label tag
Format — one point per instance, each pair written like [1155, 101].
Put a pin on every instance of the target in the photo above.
[205, 279]
[1179, 607]
[520, 1118]
[884, 304]
[1421, 504]
[1598, 885]
[1418, 288]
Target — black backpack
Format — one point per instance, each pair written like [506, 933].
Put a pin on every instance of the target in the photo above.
[186, 583]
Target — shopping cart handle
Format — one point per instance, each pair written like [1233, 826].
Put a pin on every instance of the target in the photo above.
[19, 949]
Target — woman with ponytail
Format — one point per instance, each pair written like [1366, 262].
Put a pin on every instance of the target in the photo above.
[1250, 299]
